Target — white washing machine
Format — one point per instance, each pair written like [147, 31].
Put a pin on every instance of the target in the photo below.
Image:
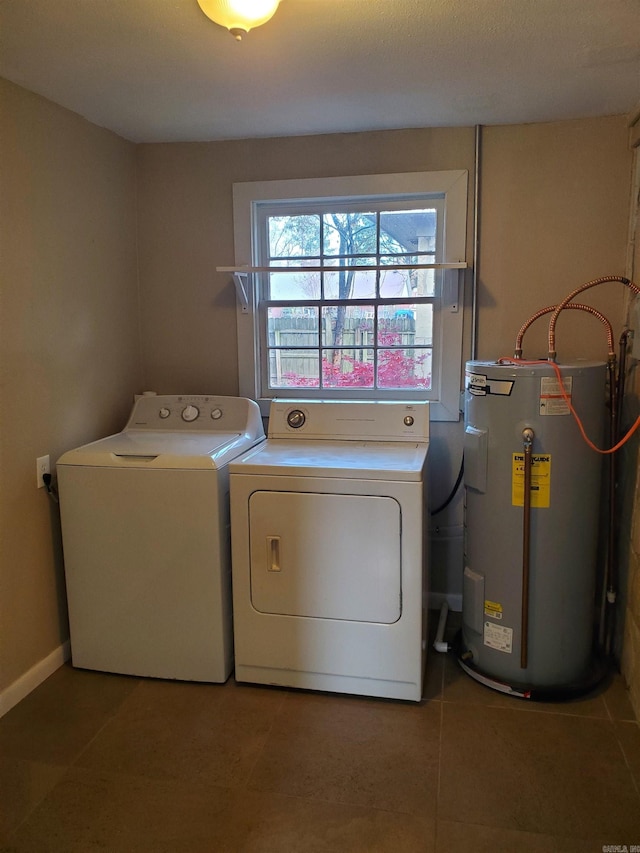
[145, 530]
[329, 534]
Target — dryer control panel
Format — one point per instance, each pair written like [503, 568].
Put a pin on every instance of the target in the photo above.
[360, 421]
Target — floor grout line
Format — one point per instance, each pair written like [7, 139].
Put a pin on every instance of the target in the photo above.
[635, 781]
[437, 811]
[277, 715]
[108, 720]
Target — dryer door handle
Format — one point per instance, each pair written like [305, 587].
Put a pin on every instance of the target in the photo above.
[273, 553]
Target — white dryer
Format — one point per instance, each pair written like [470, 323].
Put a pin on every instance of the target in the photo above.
[145, 530]
[329, 549]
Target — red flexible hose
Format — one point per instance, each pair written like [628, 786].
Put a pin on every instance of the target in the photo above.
[567, 399]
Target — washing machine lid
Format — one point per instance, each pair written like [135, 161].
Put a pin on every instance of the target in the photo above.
[164, 449]
[369, 460]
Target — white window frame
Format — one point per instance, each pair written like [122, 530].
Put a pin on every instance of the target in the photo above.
[450, 186]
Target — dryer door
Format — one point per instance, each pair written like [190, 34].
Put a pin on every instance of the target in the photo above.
[327, 556]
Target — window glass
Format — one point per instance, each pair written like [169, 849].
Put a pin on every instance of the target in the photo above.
[361, 345]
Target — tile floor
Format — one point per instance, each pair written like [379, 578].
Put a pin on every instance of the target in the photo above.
[93, 762]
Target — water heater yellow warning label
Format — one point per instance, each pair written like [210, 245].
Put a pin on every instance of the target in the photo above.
[540, 480]
[493, 609]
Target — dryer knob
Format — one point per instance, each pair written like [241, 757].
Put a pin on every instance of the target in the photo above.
[296, 418]
[190, 413]
[408, 421]
[164, 412]
[216, 414]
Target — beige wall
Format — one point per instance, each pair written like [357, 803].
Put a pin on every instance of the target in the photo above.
[629, 612]
[69, 343]
[554, 215]
[629, 552]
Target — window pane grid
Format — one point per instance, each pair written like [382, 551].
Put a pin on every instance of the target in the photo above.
[345, 345]
[314, 304]
[332, 284]
[332, 262]
[360, 315]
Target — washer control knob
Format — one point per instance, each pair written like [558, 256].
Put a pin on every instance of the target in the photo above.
[164, 412]
[216, 414]
[408, 420]
[190, 413]
[296, 418]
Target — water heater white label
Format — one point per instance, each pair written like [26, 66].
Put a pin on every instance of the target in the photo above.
[480, 385]
[552, 400]
[498, 637]
[476, 383]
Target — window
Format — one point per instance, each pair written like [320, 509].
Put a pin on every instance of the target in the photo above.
[354, 287]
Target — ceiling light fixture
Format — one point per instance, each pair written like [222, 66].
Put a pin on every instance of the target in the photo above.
[239, 16]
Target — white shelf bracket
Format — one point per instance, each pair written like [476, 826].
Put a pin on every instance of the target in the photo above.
[240, 279]
[451, 290]
[450, 285]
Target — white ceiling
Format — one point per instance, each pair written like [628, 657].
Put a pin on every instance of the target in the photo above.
[159, 70]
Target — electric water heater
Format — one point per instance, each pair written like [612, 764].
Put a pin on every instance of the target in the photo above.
[531, 522]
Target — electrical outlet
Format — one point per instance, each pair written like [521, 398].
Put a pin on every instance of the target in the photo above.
[42, 467]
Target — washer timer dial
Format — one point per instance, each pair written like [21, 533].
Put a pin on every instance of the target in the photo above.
[190, 413]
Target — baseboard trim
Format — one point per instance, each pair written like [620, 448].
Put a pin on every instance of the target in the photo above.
[437, 599]
[16, 692]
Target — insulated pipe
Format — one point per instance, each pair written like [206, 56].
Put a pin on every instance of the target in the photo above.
[527, 438]
[596, 281]
[611, 539]
[576, 305]
[611, 579]
[622, 368]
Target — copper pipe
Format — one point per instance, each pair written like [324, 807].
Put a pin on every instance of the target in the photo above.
[576, 305]
[596, 281]
[527, 437]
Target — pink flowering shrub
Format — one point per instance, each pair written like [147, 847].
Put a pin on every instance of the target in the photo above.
[395, 370]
